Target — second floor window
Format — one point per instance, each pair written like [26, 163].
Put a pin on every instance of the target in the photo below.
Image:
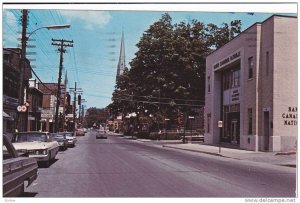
[250, 67]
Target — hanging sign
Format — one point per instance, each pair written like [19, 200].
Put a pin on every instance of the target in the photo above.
[23, 108]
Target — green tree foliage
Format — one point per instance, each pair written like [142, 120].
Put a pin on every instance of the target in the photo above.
[95, 115]
[167, 74]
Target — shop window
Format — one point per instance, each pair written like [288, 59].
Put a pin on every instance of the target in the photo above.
[250, 118]
[250, 67]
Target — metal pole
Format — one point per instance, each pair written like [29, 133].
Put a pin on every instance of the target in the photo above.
[74, 110]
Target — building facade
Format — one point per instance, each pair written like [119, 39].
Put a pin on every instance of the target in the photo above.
[14, 119]
[35, 98]
[49, 91]
[251, 88]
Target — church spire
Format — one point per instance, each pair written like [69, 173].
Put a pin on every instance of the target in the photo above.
[121, 64]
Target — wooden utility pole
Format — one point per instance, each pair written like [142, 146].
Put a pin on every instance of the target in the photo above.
[61, 43]
[22, 125]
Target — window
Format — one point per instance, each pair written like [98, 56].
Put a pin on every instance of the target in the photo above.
[208, 84]
[250, 121]
[267, 63]
[250, 67]
[231, 79]
[208, 122]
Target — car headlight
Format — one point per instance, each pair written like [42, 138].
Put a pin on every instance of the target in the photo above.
[44, 152]
[37, 152]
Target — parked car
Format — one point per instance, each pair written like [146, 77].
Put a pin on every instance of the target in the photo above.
[16, 170]
[80, 132]
[70, 138]
[39, 145]
[60, 137]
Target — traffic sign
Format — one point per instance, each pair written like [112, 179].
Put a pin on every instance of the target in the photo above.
[23, 108]
[220, 124]
[19, 108]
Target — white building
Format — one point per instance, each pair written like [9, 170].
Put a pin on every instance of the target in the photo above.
[251, 86]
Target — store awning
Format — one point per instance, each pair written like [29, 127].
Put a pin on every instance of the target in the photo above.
[6, 116]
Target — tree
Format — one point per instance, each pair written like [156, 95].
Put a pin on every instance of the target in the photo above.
[97, 116]
[167, 75]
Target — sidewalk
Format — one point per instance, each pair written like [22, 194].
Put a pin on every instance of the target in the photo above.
[274, 158]
[283, 158]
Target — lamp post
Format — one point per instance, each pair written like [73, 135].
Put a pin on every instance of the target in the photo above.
[23, 55]
[166, 120]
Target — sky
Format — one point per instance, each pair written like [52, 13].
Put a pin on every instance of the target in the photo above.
[96, 34]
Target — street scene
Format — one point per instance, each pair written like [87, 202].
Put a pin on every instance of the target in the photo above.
[124, 167]
[100, 102]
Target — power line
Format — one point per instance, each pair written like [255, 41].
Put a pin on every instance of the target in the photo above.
[150, 96]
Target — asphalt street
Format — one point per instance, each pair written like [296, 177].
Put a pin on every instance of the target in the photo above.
[120, 167]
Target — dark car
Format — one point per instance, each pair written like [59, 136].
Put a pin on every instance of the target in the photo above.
[61, 139]
[16, 170]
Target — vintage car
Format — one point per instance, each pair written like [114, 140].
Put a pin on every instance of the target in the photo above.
[16, 170]
[61, 139]
[39, 145]
[71, 139]
[80, 132]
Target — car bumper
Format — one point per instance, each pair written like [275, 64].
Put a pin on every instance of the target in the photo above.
[71, 142]
[40, 158]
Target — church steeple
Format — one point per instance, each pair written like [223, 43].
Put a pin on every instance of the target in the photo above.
[121, 64]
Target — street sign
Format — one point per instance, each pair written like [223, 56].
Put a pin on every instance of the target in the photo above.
[19, 108]
[220, 124]
[23, 108]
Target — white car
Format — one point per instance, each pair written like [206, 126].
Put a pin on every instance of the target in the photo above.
[71, 138]
[39, 145]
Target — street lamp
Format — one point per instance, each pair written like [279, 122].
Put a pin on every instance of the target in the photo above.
[22, 59]
[50, 27]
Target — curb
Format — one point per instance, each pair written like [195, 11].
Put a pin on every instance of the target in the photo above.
[285, 153]
[191, 150]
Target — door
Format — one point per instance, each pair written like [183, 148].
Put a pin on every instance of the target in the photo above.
[266, 130]
[234, 131]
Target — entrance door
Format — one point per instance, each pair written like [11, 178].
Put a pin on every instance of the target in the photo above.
[266, 130]
[234, 131]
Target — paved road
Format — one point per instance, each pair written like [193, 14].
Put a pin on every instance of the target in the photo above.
[119, 167]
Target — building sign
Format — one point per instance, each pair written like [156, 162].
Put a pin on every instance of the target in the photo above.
[291, 116]
[231, 96]
[227, 60]
[235, 95]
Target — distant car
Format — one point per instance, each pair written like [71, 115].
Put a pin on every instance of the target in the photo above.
[39, 145]
[16, 170]
[70, 138]
[80, 132]
[61, 138]
[101, 135]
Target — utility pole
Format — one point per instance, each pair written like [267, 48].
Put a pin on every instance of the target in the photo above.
[64, 107]
[75, 91]
[21, 125]
[61, 44]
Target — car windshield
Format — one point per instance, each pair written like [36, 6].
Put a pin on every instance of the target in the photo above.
[59, 136]
[31, 137]
[69, 134]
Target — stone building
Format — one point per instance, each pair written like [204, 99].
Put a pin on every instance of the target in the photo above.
[251, 88]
